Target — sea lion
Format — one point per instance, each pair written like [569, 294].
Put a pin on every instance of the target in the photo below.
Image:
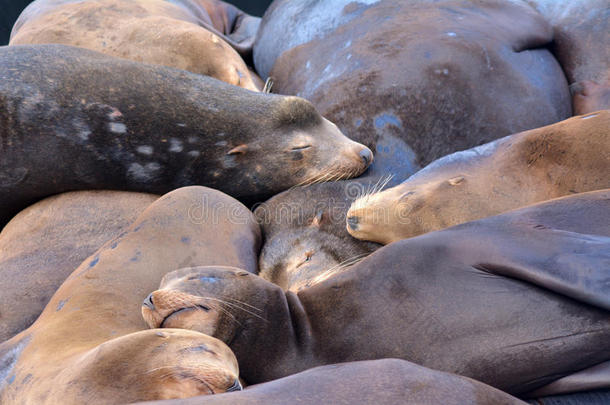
[458, 300]
[184, 34]
[581, 30]
[416, 80]
[76, 351]
[304, 232]
[569, 157]
[117, 124]
[376, 382]
[44, 243]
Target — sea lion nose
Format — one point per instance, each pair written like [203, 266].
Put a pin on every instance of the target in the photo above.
[235, 387]
[148, 302]
[367, 156]
[352, 222]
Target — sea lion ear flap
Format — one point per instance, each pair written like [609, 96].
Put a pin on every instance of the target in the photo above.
[238, 150]
[317, 220]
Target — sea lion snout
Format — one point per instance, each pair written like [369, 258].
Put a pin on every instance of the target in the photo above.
[148, 302]
[367, 156]
[352, 222]
[372, 216]
[235, 387]
[167, 308]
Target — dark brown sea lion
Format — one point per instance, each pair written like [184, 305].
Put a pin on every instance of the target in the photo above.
[117, 124]
[179, 34]
[569, 157]
[90, 344]
[415, 80]
[515, 301]
[44, 243]
[376, 382]
[304, 232]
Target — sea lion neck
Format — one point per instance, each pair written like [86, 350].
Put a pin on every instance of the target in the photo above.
[281, 336]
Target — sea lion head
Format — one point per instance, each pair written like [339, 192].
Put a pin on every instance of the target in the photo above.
[152, 365]
[408, 209]
[237, 307]
[215, 300]
[300, 256]
[299, 146]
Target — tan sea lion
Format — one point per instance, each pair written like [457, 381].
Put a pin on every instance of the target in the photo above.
[90, 344]
[98, 122]
[459, 300]
[185, 34]
[572, 156]
[44, 243]
[376, 382]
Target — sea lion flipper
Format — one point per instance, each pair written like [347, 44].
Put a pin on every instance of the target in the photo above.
[568, 263]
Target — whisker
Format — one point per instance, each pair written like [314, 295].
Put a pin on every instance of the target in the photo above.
[268, 85]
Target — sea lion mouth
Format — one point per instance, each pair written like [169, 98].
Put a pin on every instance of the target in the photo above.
[186, 309]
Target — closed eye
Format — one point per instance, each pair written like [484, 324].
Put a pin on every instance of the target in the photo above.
[308, 256]
[406, 195]
[300, 148]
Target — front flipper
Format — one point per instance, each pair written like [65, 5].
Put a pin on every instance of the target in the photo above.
[568, 263]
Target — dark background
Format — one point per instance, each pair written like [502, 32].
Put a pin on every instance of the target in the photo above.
[10, 10]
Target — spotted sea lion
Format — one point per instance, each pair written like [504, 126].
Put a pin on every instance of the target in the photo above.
[569, 157]
[44, 243]
[117, 124]
[458, 300]
[185, 34]
[416, 80]
[90, 344]
[376, 382]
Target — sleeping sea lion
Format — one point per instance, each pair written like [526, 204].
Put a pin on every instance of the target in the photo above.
[90, 344]
[415, 80]
[122, 125]
[515, 301]
[376, 382]
[572, 156]
[184, 34]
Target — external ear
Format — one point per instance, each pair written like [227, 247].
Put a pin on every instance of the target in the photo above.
[238, 150]
[456, 180]
[317, 220]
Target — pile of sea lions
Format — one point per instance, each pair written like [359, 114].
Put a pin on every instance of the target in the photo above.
[172, 229]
